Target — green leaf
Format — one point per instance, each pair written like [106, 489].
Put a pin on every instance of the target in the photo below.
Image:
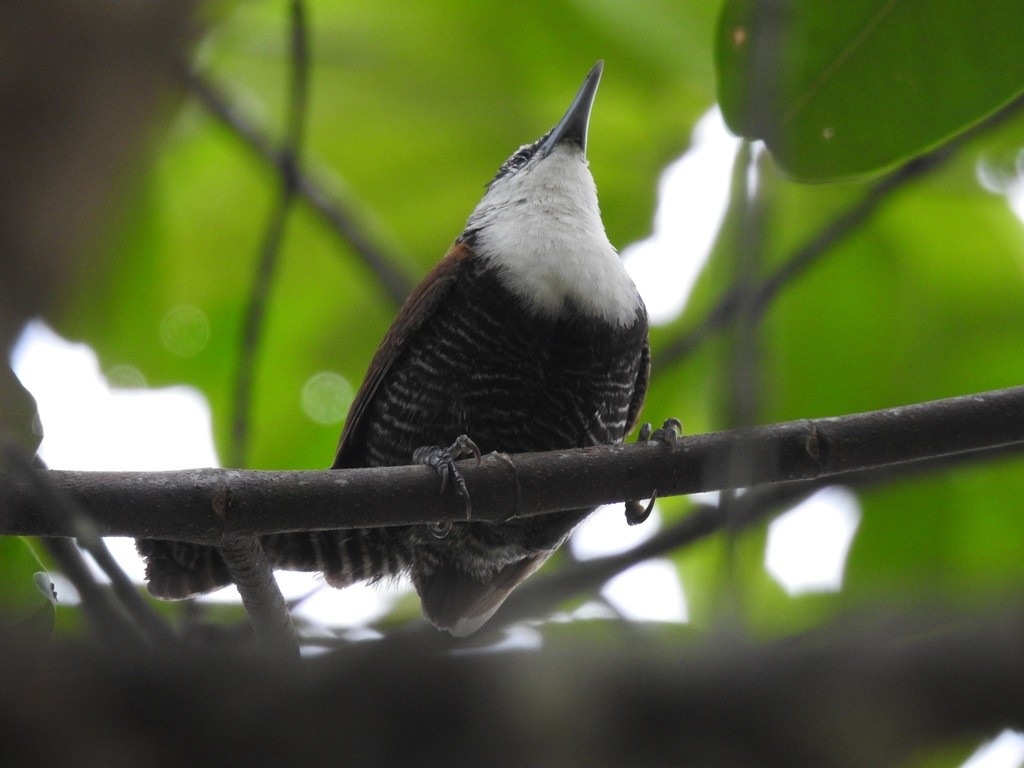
[844, 89]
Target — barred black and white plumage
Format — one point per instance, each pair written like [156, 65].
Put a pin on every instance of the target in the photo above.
[528, 336]
[175, 570]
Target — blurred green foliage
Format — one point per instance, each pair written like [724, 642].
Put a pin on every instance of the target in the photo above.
[27, 609]
[412, 110]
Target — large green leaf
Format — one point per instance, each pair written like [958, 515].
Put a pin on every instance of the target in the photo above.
[843, 89]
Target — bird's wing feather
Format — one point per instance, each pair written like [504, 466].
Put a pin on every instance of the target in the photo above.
[643, 375]
[418, 309]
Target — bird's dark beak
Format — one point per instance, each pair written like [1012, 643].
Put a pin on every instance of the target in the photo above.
[573, 127]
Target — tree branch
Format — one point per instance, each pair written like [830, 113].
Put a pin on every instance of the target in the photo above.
[251, 572]
[835, 231]
[270, 248]
[206, 504]
[545, 592]
[860, 691]
[102, 610]
[242, 552]
[342, 220]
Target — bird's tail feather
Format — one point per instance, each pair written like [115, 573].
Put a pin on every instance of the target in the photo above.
[176, 570]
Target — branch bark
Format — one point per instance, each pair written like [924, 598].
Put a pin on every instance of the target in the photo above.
[252, 574]
[204, 505]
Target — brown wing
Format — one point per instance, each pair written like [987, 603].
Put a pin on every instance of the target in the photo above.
[418, 308]
[643, 375]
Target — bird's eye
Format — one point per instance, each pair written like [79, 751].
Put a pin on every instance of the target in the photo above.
[440, 530]
[519, 159]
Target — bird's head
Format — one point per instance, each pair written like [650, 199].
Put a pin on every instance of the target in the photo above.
[549, 175]
[566, 144]
[540, 225]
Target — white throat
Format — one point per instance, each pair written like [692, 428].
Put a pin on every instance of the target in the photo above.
[541, 227]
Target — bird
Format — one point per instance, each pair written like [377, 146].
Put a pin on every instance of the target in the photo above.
[529, 335]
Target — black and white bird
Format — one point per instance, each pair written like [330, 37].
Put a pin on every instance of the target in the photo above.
[528, 336]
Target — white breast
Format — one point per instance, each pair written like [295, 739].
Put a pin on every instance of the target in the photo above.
[542, 229]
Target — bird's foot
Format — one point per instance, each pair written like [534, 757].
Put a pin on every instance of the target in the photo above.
[668, 434]
[443, 462]
[636, 512]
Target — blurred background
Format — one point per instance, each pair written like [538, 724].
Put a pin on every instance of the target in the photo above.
[145, 202]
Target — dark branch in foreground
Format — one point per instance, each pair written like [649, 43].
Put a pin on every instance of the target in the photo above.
[204, 505]
[867, 691]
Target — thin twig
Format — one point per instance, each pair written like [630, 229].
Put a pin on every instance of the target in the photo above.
[242, 552]
[59, 502]
[743, 365]
[128, 593]
[157, 630]
[271, 246]
[544, 593]
[833, 233]
[343, 220]
[251, 572]
[58, 508]
[100, 610]
[251, 332]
